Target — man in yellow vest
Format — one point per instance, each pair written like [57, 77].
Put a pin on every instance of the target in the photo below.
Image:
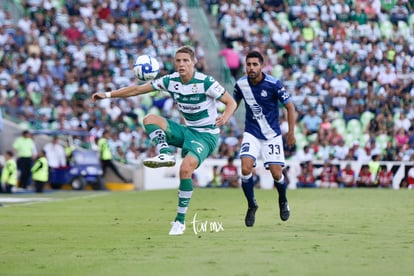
[374, 168]
[106, 155]
[25, 150]
[307, 32]
[8, 174]
[40, 172]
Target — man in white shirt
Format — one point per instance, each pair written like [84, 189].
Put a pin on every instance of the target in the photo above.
[55, 153]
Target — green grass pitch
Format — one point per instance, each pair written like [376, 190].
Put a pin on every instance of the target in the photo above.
[330, 232]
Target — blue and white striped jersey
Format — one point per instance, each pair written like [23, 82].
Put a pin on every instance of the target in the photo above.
[262, 105]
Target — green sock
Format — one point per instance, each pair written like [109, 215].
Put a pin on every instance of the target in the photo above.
[158, 138]
[184, 196]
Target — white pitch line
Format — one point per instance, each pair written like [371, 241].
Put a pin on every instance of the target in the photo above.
[34, 200]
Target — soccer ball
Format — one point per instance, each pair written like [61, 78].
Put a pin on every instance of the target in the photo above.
[146, 68]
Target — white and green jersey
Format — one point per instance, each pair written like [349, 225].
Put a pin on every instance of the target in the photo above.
[196, 100]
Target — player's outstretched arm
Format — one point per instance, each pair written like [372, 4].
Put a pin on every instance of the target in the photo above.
[124, 92]
[231, 106]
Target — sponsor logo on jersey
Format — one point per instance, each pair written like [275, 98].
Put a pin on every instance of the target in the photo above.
[189, 107]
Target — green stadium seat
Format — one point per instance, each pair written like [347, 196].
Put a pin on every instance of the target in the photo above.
[141, 114]
[301, 140]
[349, 139]
[283, 19]
[354, 126]
[363, 139]
[396, 116]
[405, 30]
[214, 10]
[411, 20]
[129, 121]
[339, 124]
[312, 137]
[316, 25]
[277, 71]
[382, 140]
[386, 28]
[366, 117]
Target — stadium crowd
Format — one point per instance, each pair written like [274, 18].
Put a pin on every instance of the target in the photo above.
[348, 64]
[60, 52]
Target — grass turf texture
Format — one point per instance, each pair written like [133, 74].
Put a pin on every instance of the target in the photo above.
[330, 232]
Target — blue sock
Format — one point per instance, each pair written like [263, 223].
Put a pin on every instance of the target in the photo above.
[281, 189]
[248, 189]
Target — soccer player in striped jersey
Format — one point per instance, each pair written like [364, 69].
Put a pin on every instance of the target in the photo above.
[262, 95]
[196, 96]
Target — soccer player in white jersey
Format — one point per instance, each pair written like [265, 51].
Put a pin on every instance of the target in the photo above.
[262, 94]
[196, 95]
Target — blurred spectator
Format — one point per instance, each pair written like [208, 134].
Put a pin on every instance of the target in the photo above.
[324, 150]
[306, 179]
[351, 110]
[347, 177]
[402, 122]
[311, 122]
[233, 59]
[304, 155]
[374, 168]
[401, 138]
[399, 12]
[233, 32]
[364, 179]
[334, 137]
[385, 177]
[26, 151]
[328, 176]
[8, 173]
[40, 172]
[134, 156]
[105, 156]
[230, 175]
[215, 178]
[341, 150]
[55, 153]
[390, 152]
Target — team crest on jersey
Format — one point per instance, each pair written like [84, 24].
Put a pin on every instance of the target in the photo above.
[245, 147]
[263, 93]
[194, 88]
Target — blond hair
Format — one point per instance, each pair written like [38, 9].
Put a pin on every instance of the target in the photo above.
[186, 50]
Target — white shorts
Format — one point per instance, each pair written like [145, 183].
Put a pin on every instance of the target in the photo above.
[270, 150]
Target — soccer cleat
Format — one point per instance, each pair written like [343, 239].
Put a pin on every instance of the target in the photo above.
[177, 228]
[250, 216]
[161, 160]
[284, 210]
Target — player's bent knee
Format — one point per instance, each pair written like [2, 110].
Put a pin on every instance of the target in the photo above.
[246, 170]
[152, 119]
